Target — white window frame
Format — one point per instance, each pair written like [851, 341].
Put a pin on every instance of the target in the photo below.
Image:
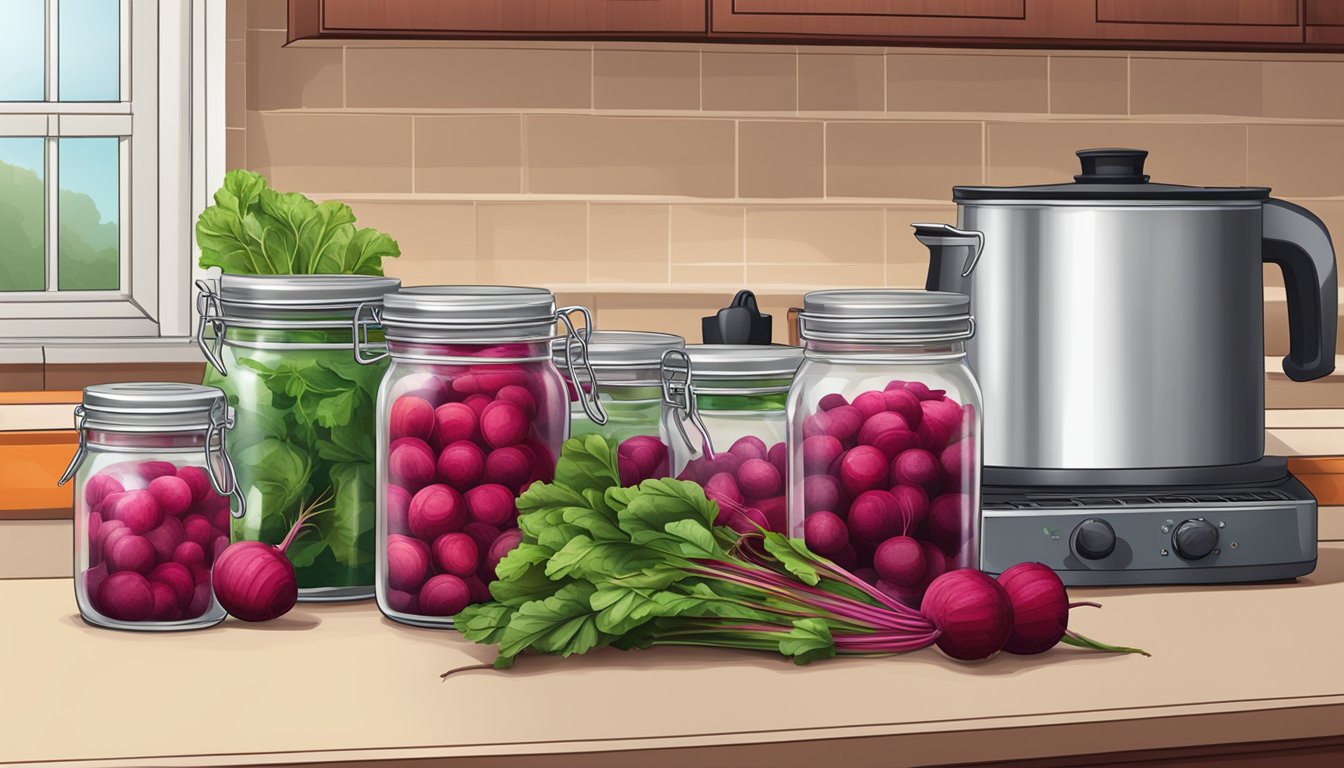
[173, 158]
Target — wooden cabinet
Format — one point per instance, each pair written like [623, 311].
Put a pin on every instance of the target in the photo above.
[1325, 22]
[629, 19]
[1196, 21]
[880, 19]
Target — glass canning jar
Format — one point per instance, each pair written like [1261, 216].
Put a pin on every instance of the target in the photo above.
[280, 349]
[627, 367]
[471, 411]
[152, 504]
[884, 436]
[724, 413]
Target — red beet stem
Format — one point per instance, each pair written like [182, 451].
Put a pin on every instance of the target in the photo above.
[301, 522]
[1087, 603]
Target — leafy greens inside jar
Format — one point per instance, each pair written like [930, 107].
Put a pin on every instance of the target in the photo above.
[277, 329]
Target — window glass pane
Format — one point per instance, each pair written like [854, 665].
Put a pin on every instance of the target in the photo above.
[88, 256]
[22, 215]
[22, 49]
[89, 48]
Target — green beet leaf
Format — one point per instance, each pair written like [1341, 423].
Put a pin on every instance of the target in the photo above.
[809, 640]
[564, 623]
[348, 527]
[279, 471]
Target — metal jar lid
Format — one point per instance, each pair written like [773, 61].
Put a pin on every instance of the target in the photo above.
[467, 313]
[246, 300]
[617, 352]
[154, 406]
[886, 316]
[744, 361]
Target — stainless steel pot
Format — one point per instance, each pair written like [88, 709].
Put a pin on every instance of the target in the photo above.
[1120, 322]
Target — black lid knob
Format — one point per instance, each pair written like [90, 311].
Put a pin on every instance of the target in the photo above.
[1112, 166]
[1094, 539]
[1194, 539]
[738, 323]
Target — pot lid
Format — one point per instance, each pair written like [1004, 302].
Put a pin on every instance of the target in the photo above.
[756, 361]
[153, 405]
[885, 315]
[623, 349]
[441, 312]
[1111, 174]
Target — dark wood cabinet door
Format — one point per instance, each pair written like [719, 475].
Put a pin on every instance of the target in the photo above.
[878, 19]
[1325, 21]
[496, 18]
[1211, 21]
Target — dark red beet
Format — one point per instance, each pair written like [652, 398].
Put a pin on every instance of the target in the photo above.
[491, 504]
[894, 442]
[933, 434]
[917, 467]
[152, 469]
[456, 553]
[821, 492]
[972, 612]
[758, 478]
[200, 600]
[189, 553]
[166, 607]
[749, 447]
[407, 562]
[775, 510]
[543, 462]
[398, 509]
[842, 423]
[519, 396]
[936, 560]
[98, 487]
[93, 579]
[411, 463]
[819, 452]
[923, 392]
[722, 488]
[178, 578]
[502, 424]
[945, 411]
[196, 528]
[862, 468]
[402, 602]
[480, 593]
[874, 516]
[436, 510]
[461, 465]
[411, 416]
[124, 551]
[423, 385]
[501, 546]
[444, 595]
[847, 558]
[253, 580]
[1040, 607]
[646, 456]
[166, 538]
[778, 455]
[453, 422]
[833, 400]
[721, 463]
[954, 459]
[138, 510]
[912, 506]
[900, 560]
[477, 403]
[198, 481]
[482, 534]
[870, 404]
[949, 519]
[125, 596]
[825, 533]
[905, 403]
[510, 467]
[880, 423]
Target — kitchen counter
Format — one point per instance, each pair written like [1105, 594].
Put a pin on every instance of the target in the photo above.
[340, 684]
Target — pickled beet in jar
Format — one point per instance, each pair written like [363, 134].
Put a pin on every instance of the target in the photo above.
[472, 411]
[153, 503]
[724, 411]
[627, 366]
[884, 436]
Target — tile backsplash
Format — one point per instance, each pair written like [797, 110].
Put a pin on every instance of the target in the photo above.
[652, 180]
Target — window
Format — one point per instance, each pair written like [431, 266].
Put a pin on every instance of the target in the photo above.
[106, 113]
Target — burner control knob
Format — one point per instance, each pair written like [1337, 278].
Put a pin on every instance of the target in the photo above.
[1094, 539]
[1194, 539]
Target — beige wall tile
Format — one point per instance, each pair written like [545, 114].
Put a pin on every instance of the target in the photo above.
[235, 51]
[235, 95]
[668, 313]
[841, 81]
[1194, 87]
[627, 243]
[1179, 153]
[1304, 89]
[809, 276]
[531, 243]
[729, 277]
[468, 77]
[827, 236]
[1298, 160]
[468, 153]
[708, 234]
[936, 82]
[437, 239]
[777, 158]
[749, 81]
[581, 154]
[267, 14]
[331, 153]
[1089, 85]
[286, 78]
[911, 160]
[907, 259]
[646, 79]
[235, 19]
[235, 148]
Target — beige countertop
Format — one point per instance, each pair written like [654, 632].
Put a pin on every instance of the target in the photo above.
[338, 683]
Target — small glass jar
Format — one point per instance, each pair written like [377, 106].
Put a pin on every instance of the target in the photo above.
[884, 436]
[471, 412]
[305, 412]
[152, 504]
[627, 366]
[724, 413]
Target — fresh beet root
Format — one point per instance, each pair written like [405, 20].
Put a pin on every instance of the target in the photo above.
[1040, 607]
[491, 504]
[825, 533]
[125, 596]
[407, 562]
[900, 560]
[410, 416]
[444, 595]
[456, 553]
[436, 510]
[461, 465]
[255, 581]
[972, 613]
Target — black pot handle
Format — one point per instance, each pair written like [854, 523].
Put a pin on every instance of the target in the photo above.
[1298, 241]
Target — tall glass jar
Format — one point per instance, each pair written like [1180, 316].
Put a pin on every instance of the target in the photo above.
[305, 417]
[724, 413]
[152, 506]
[471, 412]
[884, 436]
[627, 367]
